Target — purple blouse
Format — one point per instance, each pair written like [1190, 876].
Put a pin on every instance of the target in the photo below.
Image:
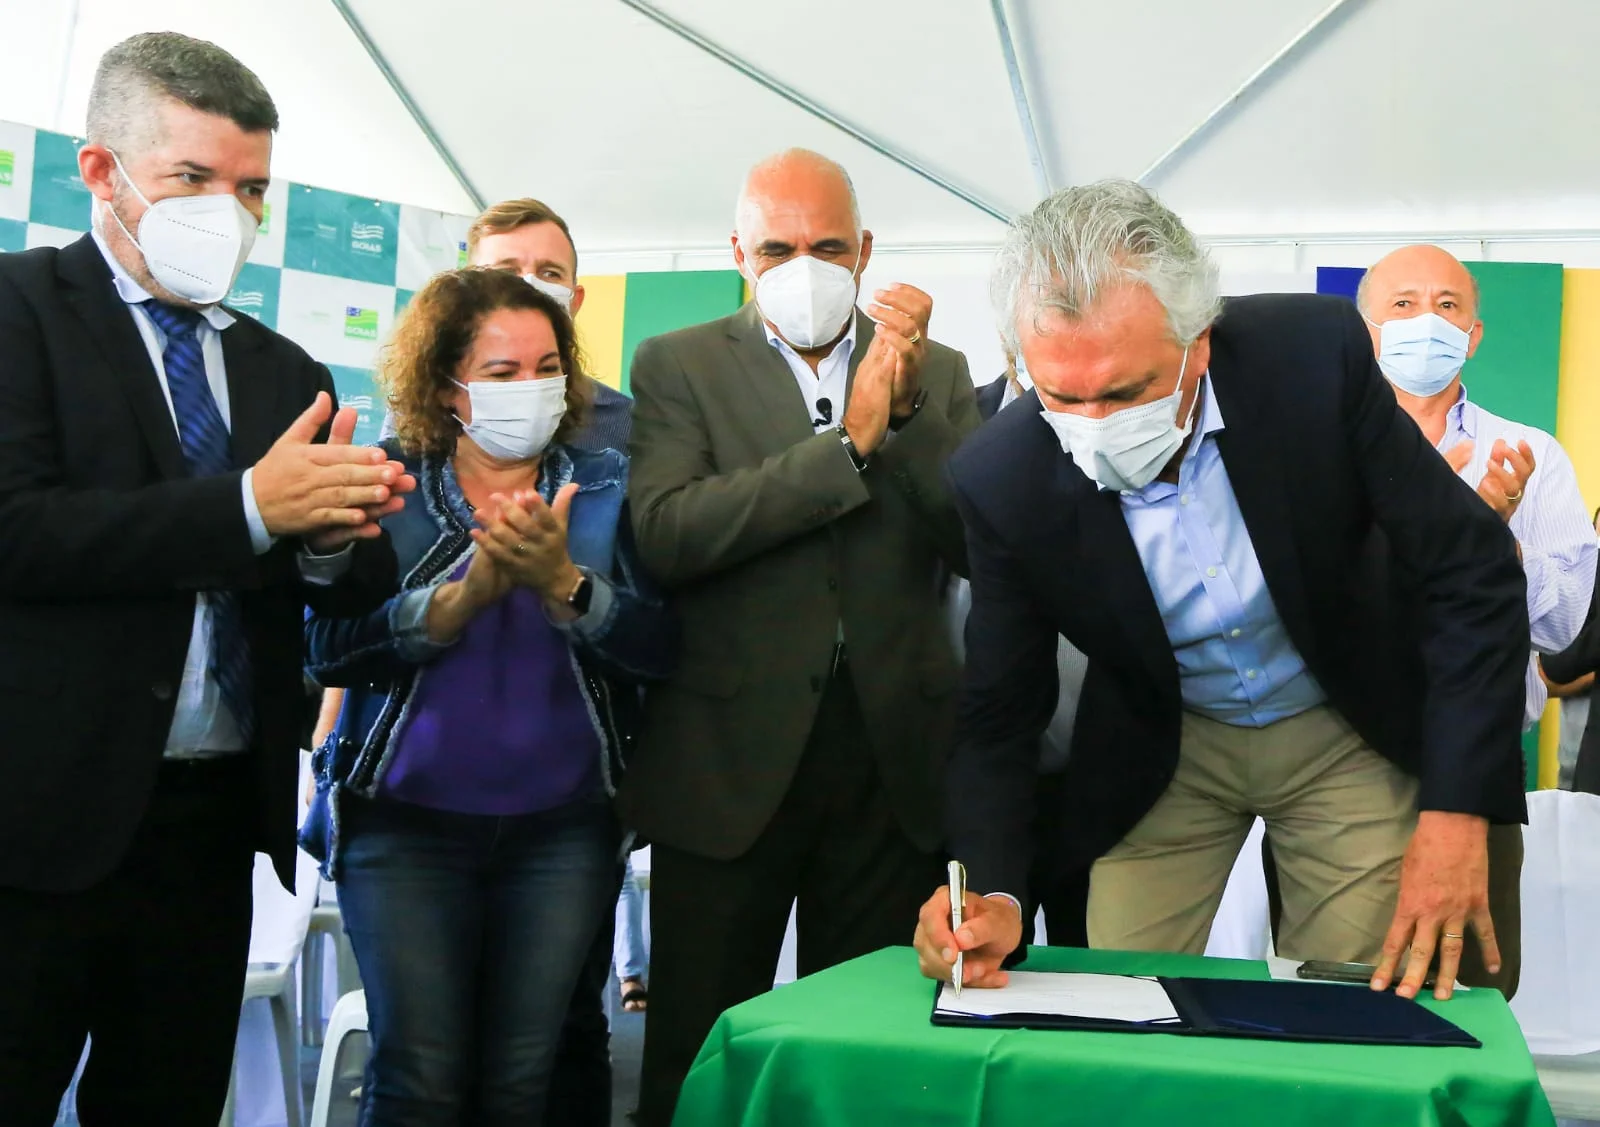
[497, 724]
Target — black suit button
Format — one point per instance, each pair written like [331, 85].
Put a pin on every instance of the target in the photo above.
[161, 690]
[833, 584]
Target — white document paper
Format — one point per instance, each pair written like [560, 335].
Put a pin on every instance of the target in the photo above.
[1109, 997]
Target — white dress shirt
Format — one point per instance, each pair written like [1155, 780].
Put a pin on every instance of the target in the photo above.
[831, 380]
[201, 722]
[1551, 524]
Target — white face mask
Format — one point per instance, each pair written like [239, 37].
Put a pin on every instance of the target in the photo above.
[561, 294]
[1421, 355]
[807, 300]
[514, 420]
[193, 246]
[1126, 449]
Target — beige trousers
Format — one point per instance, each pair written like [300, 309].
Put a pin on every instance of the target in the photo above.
[1339, 817]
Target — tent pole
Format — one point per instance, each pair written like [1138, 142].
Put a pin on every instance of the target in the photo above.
[70, 37]
[411, 106]
[1019, 95]
[1224, 107]
[794, 97]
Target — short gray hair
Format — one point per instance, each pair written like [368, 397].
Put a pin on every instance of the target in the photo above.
[1081, 242]
[156, 64]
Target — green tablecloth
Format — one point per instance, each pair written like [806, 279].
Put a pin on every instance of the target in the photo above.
[853, 1045]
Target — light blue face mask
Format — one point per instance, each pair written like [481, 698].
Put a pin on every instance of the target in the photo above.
[1421, 355]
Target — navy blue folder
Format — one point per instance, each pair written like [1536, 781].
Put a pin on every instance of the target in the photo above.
[1263, 1009]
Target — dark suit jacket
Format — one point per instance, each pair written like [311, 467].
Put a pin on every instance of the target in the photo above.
[767, 538]
[104, 541]
[1339, 490]
[1583, 656]
[990, 396]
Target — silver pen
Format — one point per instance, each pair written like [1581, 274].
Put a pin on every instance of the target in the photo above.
[958, 896]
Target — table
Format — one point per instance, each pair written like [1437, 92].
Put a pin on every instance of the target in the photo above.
[853, 1045]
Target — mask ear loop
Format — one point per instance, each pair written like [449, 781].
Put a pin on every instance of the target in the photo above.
[128, 180]
[1194, 404]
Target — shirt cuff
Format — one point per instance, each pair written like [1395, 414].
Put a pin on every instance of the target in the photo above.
[408, 621]
[1015, 903]
[261, 540]
[325, 571]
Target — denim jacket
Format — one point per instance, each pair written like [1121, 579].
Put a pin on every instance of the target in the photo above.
[627, 637]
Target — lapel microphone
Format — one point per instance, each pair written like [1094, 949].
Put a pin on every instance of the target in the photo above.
[824, 413]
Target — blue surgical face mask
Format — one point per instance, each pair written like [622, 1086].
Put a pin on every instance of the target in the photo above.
[1421, 355]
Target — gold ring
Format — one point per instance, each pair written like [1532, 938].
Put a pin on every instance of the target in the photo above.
[916, 336]
[1514, 499]
[520, 548]
[1451, 935]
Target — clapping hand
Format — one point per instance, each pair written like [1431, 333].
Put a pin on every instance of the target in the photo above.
[330, 493]
[902, 314]
[527, 540]
[1505, 479]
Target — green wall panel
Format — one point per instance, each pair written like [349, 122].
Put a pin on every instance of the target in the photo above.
[1516, 370]
[660, 303]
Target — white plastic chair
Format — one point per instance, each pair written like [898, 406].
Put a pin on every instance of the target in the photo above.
[1242, 928]
[258, 1094]
[327, 926]
[1558, 998]
[277, 934]
[348, 1019]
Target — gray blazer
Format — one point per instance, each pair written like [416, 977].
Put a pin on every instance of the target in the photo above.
[768, 540]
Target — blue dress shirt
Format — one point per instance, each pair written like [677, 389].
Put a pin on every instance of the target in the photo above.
[1236, 663]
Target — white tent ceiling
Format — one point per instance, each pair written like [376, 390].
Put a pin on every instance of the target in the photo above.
[1394, 116]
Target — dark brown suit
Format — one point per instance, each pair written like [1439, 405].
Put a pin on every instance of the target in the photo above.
[763, 776]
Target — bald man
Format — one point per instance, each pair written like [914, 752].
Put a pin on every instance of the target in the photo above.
[787, 486]
[1421, 307]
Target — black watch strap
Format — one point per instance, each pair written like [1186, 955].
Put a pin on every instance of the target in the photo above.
[857, 459]
[896, 422]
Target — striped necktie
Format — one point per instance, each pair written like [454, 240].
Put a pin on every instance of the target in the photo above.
[207, 448]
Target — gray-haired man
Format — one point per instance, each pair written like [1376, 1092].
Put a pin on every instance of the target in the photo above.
[1213, 510]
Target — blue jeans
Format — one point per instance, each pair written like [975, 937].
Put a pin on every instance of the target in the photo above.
[628, 954]
[470, 931]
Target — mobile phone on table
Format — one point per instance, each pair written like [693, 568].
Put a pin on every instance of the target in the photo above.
[1361, 973]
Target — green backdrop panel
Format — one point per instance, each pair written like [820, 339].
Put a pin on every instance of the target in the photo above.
[1517, 367]
[343, 235]
[1516, 370]
[356, 389]
[660, 303]
[255, 292]
[59, 197]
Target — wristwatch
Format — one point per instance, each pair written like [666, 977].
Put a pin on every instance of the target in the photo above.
[898, 421]
[582, 594]
[857, 459]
